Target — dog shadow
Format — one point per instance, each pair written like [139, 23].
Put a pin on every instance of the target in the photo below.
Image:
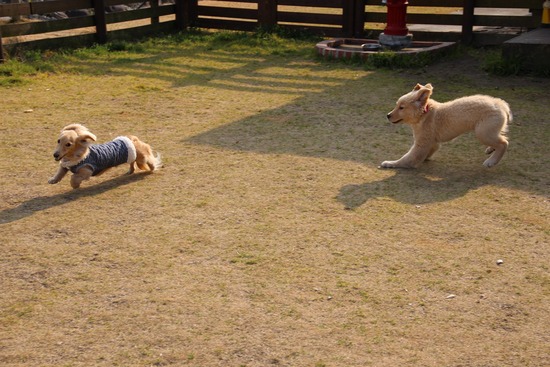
[40, 203]
[416, 187]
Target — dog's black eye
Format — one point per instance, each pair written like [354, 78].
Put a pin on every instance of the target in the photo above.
[68, 144]
[401, 107]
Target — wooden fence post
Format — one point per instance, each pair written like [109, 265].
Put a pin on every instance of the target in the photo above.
[193, 12]
[353, 18]
[267, 13]
[468, 21]
[181, 14]
[100, 22]
[154, 8]
[186, 13]
[359, 21]
[348, 18]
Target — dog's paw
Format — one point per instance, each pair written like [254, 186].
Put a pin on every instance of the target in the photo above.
[387, 164]
[53, 180]
[490, 163]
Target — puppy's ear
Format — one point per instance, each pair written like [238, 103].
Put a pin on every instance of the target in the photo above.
[86, 138]
[429, 86]
[75, 127]
[417, 87]
[424, 94]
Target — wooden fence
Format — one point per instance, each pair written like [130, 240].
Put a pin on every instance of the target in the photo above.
[331, 18]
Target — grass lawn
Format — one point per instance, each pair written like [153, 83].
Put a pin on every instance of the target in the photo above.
[270, 237]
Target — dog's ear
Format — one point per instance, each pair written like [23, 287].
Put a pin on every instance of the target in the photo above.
[424, 94]
[417, 87]
[86, 138]
[75, 127]
[429, 86]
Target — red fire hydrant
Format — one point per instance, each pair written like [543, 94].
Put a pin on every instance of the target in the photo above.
[396, 19]
[396, 34]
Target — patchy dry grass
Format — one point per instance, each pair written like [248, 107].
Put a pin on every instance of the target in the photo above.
[270, 237]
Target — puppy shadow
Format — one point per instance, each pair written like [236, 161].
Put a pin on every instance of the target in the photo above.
[415, 187]
[34, 205]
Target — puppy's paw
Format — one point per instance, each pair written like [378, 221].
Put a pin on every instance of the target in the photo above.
[388, 164]
[53, 180]
[489, 150]
[132, 169]
[489, 163]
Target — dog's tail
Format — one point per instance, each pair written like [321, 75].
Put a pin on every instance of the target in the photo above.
[145, 159]
[509, 118]
[150, 162]
[156, 162]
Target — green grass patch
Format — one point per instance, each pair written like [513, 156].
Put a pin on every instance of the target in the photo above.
[276, 42]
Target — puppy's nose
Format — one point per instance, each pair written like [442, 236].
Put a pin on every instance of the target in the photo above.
[56, 155]
[388, 115]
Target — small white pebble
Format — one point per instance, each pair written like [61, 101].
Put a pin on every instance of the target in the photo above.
[451, 296]
[500, 262]
[28, 111]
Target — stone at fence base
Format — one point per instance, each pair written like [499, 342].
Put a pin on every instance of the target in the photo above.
[395, 42]
[530, 49]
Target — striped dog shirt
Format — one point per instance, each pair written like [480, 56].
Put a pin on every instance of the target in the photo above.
[111, 154]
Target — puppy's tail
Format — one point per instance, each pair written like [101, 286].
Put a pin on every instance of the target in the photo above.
[155, 162]
[509, 118]
[145, 159]
[150, 162]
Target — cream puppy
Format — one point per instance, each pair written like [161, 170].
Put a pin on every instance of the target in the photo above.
[434, 123]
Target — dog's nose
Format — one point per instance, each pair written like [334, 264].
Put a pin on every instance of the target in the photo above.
[56, 155]
[388, 115]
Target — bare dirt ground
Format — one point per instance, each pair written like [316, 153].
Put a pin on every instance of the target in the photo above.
[270, 237]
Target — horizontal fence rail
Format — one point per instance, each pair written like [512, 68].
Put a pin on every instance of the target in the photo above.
[57, 23]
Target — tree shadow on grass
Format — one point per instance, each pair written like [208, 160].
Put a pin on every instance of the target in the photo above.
[38, 204]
